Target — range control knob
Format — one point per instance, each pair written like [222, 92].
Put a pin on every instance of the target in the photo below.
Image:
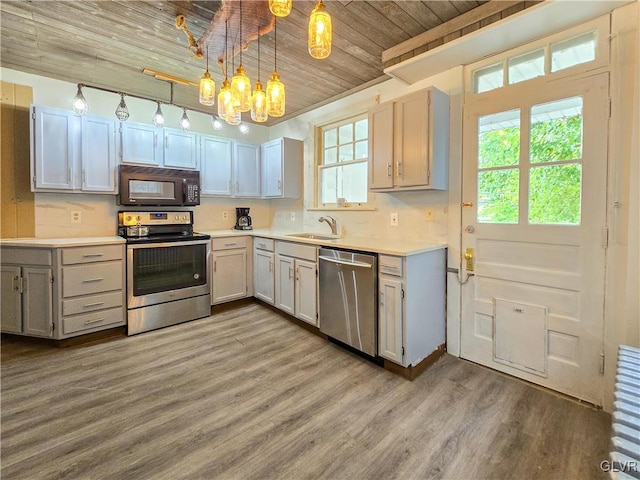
[128, 218]
[177, 217]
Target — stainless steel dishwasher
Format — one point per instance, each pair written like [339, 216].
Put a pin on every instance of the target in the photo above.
[348, 293]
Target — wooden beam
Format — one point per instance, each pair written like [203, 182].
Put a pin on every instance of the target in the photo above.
[461, 21]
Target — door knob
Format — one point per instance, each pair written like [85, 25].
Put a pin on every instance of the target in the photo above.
[469, 257]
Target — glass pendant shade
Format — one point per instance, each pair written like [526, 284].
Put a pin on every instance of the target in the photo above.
[280, 8]
[319, 32]
[225, 102]
[259, 104]
[207, 90]
[122, 112]
[241, 90]
[158, 117]
[79, 103]
[185, 123]
[235, 118]
[275, 96]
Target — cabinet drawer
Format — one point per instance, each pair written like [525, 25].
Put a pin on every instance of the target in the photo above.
[228, 242]
[98, 253]
[92, 303]
[263, 244]
[95, 278]
[90, 321]
[298, 250]
[26, 256]
[390, 265]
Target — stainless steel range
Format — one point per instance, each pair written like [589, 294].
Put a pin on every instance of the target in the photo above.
[167, 269]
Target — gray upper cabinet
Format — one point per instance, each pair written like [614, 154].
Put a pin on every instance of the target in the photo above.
[281, 161]
[215, 165]
[246, 170]
[179, 149]
[141, 143]
[98, 154]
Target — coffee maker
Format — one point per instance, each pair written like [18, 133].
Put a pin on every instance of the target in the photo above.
[243, 220]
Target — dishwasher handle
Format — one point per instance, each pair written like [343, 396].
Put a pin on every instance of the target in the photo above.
[345, 262]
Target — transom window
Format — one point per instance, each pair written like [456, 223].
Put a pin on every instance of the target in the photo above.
[343, 157]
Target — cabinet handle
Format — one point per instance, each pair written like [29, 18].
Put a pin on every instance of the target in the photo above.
[166, 141]
[390, 267]
[279, 184]
[89, 280]
[230, 244]
[214, 265]
[298, 274]
[290, 273]
[381, 298]
[262, 245]
[94, 304]
[69, 175]
[93, 255]
[16, 283]
[270, 267]
[399, 165]
[389, 170]
[89, 322]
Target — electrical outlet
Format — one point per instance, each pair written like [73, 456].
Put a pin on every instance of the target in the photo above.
[394, 219]
[293, 216]
[429, 214]
[76, 217]
[225, 215]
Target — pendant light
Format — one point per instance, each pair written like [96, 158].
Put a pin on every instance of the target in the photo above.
[225, 103]
[259, 98]
[79, 103]
[185, 123]
[275, 88]
[319, 32]
[207, 87]
[122, 112]
[240, 83]
[216, 123]
[280, 8]
[233, 112]
[158, 117]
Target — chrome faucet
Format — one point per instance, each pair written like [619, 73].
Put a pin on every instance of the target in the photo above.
[331, 222]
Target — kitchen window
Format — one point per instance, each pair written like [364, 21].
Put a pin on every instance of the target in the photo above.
[343, 159]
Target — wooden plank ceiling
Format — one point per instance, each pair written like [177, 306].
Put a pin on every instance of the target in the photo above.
[108, 44]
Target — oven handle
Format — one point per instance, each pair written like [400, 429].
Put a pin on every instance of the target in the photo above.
[168, 244]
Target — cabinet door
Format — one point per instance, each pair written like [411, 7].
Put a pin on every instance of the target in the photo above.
[179, 149]
[306, 288]
[55, 144]
[390, 319]
[411, 140]
[272, 169]
[246, 170]
[141, 143]
[381, 146]
[229, 275]
[11, 305]
[215, 165]
[98, 154]
[285, 284]
[37, 303]
[263, 276]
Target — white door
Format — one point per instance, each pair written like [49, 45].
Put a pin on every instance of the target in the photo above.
[246, 170]
[272, 168]
[390, 319]
[37, 301]
[179, 149]
[11, 305]
[215, 165]
[534, 204]
[141, 143]
[98, 154]
[229, 275]
[263, 276]
[285, 284]
[306, 291]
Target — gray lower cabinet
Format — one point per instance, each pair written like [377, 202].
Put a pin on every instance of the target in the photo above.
[296, 280]
[229, 267]
[263, 270]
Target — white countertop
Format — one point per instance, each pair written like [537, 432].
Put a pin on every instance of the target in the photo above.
[59, 242]
[367, 244]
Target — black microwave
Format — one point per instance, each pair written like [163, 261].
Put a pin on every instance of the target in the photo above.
[158, 187]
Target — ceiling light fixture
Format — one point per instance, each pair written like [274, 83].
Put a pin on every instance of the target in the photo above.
[122, 112]
[259, 98]
[207, 87]
[319, 32]
[226, 109]
[244, 128]
[158, 117]
[216, 123]
[280, 8]
[79, 103]
[185, 123]
[275, 88]
[240, 83]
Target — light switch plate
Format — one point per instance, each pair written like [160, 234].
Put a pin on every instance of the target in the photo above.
[225, 215]
[76, 217]
[293, 216]
[429, 214]
[394, 219]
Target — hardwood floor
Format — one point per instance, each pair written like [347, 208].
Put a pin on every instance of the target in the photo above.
[247, 394]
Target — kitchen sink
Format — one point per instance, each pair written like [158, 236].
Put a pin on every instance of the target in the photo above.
[314, 236]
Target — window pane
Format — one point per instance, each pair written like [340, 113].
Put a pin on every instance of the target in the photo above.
[499, 139]
[346, 133]
[556, 131]
[362, 129]
[498, 193]
[329, 185]
[346, 152]
[572, 52]
[488, 78]
[527, 66]
[330, 155]
[354, 183]
[330, 137]
[554, 194]
[362, 149]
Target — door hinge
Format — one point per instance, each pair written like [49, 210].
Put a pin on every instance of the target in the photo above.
[53, 327]
[34, 180]
[608, 108]
[316, 272]
[428, 176]
[402, 292]
[403, 351]
[33, 115]
[602, 363]
[605, 237]
[50, 278]
[316, 316]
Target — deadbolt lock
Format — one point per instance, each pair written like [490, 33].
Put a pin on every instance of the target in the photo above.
[469, 256]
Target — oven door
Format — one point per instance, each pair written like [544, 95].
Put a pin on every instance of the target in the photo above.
[163, 272]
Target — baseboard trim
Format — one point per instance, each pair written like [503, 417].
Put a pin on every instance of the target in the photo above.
[414, 371]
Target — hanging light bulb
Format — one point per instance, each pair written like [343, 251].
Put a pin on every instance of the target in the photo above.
[207, 87]
[122, 112]
[240, 83]
[259, 98]
[275, 88]
[79, 103]
[185, 123]
[158, 117]
[319, 32]
[216, 123]
[280, 8]
[244, 128]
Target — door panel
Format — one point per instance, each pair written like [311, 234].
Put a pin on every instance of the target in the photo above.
[285, 284]
[37, 307]
[11, 312]
[305, 291]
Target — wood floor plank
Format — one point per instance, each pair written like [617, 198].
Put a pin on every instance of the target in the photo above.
[248, 394]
